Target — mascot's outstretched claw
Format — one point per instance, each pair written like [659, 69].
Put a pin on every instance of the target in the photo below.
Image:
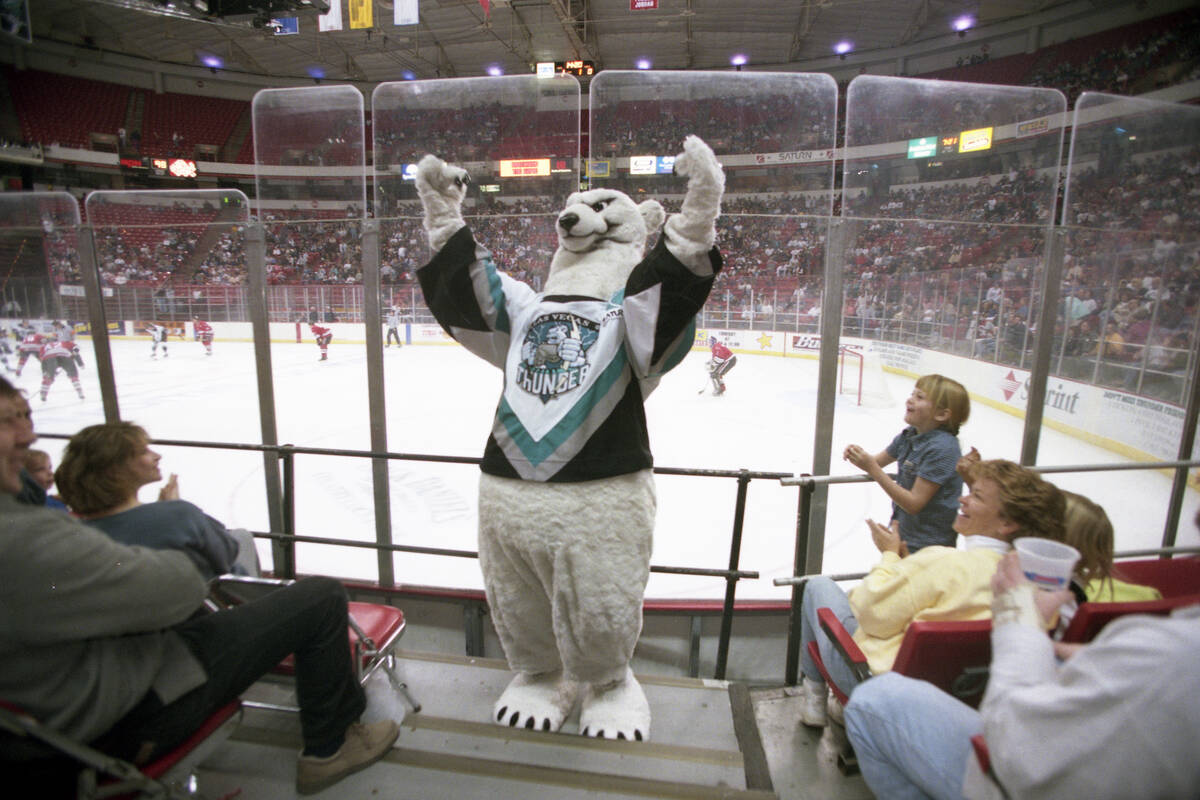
[566, 494]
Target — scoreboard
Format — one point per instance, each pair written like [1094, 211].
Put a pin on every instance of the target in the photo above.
[165, 167]
[578, 67]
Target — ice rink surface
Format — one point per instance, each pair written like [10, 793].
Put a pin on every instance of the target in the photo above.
[440, 401]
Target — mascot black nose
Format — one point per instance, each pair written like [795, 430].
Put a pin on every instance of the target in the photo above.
[568, 221]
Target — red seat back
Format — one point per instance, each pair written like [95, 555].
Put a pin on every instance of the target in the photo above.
[954, 656]
[1090, 618]
[1174, 577]
[381, 623]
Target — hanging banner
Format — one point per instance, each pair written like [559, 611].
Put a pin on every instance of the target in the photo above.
[332, 20]
[642, 5]
[362, 14]
[486, 5]
[404, 12]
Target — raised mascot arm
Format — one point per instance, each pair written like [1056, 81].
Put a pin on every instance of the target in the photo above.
[441, 188]
[691, 232]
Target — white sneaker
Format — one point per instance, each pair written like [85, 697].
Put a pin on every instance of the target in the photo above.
[814, 704]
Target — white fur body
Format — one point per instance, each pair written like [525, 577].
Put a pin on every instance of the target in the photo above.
[565, 564]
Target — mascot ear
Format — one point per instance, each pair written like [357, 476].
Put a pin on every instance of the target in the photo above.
[653, 214]
[573, 199]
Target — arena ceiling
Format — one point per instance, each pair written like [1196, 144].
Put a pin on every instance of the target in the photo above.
[456, 38]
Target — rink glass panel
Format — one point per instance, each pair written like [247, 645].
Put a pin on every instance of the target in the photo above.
[39, 246]
[948, 195]
[774, 134]
[310, 157]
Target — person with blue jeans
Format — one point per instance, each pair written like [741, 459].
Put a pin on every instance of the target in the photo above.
[1118, 718]
[936, 583]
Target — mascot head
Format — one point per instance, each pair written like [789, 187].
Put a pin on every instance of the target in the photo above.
[601, 237]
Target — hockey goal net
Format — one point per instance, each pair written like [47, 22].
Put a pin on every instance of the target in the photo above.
[861, 374]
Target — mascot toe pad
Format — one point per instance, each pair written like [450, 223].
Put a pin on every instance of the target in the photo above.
[536, 702]
[618, 711]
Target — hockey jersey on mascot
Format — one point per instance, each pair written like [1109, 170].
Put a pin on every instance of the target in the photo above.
[566, 494]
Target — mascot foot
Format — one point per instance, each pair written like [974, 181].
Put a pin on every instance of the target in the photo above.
[616, 711]
[537, 702]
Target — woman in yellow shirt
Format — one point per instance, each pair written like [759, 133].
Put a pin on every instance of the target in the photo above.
[1007, 501]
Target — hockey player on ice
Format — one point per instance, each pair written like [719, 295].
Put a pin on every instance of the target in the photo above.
[58, 355]
[30, 345]
[721, 362]
[324, 336]
[158, 335]
[204, 333]
[394, 318]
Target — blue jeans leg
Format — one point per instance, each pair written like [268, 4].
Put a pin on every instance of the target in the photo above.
[911, 738]
[823, 593]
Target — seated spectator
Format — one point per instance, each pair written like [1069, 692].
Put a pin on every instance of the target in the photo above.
[102, 469]
[1086, 527]
[39, 467]
[1118, 719]
[100, 642]
[1006, 501]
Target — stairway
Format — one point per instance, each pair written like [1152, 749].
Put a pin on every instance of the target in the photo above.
[237, 137]
[704, 744]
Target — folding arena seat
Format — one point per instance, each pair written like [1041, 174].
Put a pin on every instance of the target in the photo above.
[954, 656]
[375, 629]
[103, 776]
[1178, 579]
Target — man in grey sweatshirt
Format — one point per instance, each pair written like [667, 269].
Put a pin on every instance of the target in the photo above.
[102, 641]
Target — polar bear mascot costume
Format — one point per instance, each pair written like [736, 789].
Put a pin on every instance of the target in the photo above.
[566, 495]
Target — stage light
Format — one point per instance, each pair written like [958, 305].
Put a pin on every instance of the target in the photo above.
[963, 24]
[843, 47]
[643, 63]
[495, 71]
[738, 59]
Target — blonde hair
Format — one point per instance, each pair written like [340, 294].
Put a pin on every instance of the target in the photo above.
[1027, 500]
[1088, 530]
[947, 393]
[93, 476]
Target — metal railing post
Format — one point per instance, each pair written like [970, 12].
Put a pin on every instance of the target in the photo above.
[735, 552]
[800, 567]
[286, 549]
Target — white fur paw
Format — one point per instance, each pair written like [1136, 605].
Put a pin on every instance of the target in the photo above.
[437, 176]
[698, 161]
[536, 702]
[616, 711]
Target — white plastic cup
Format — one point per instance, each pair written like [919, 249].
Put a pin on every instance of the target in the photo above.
[1047, 564]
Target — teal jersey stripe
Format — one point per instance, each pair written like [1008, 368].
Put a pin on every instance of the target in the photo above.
[496, 291]
[538, 451]
[686, 340]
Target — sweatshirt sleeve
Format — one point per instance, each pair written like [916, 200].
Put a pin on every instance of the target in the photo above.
[65, 581]
[893, 592]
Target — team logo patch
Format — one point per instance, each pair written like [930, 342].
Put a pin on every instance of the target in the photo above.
[554, 354]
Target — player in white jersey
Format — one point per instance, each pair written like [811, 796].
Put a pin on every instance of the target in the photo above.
[158, 335]
[394, 318]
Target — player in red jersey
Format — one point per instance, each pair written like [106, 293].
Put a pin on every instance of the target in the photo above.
[721, 362]
[65, 333]
[30, 345]
[204, 333]
[324, 337]
[58, 355]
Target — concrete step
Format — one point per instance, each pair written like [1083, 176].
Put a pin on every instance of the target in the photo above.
[697, 747]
